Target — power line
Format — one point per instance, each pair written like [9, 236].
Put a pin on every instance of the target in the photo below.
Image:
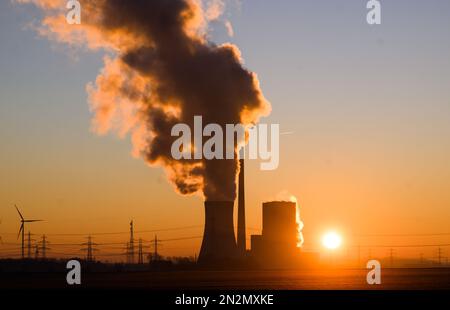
[403, 235]
[121, 232]
[182, 238]
[405, 246]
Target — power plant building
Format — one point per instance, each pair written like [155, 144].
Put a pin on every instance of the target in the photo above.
[277, 245]
[280, 228]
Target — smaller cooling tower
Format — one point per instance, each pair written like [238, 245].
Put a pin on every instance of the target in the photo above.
[219, 243]
[279, 224]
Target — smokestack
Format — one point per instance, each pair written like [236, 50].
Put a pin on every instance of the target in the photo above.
[241, 236]
[219, 244]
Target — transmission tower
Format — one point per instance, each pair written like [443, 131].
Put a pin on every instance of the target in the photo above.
[44, 246]
[155, 245]
[29, 245]
[131, 245]
[89, 249]
[141, 254]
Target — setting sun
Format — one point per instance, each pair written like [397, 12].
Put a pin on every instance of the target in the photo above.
[331, 240]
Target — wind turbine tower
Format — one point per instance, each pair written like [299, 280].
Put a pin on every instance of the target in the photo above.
[22, 229]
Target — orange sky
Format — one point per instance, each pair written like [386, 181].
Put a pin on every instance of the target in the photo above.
[368, 153]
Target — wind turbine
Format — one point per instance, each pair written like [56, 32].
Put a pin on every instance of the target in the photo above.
[22, 229]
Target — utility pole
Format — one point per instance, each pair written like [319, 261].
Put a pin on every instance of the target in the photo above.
[140, 254]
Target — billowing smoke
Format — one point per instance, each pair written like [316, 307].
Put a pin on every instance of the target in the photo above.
[160, 70]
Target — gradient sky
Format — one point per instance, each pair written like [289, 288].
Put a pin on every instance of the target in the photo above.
[369, 108]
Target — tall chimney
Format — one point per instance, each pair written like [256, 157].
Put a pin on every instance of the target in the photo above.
[219, 243]
[241, 235]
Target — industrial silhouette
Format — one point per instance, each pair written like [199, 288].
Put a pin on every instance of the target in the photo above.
[276, 247]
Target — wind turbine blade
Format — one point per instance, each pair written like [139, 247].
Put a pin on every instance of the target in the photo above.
[20, 230]
[30, 221]
[20, 214]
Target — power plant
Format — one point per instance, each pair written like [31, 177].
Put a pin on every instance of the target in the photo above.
[276, 247]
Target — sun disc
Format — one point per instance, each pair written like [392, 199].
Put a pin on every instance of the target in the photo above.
[331, 240]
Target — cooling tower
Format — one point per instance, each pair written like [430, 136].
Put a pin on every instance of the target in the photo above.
[219, 243]
[279, 224]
